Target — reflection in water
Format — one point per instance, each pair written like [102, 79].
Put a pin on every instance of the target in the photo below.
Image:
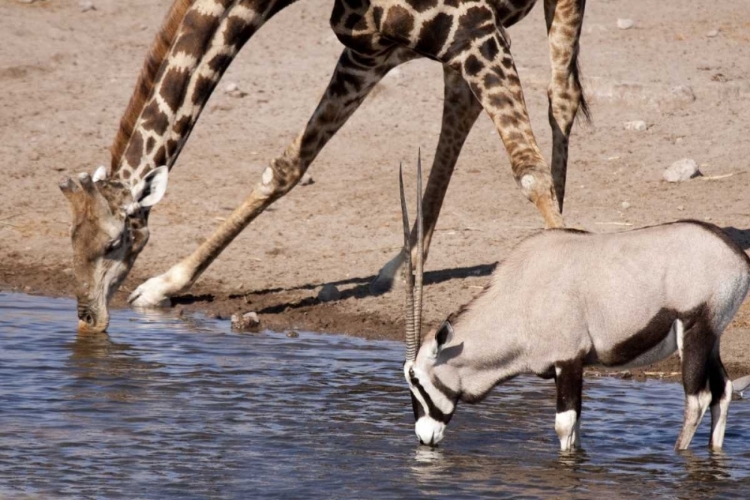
[167, 407]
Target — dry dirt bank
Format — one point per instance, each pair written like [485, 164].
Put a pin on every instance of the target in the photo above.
[66, 76]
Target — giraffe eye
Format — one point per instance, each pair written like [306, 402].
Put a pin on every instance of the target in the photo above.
[114, 245]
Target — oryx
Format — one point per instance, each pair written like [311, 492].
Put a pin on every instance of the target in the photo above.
[565, 299]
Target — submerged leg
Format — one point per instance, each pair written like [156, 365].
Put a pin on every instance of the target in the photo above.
[354, 77]
[721, 396]
[697, 344]
[460, 111]
[569, 382]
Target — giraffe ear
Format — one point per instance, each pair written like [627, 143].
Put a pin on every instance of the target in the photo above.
[151, 189]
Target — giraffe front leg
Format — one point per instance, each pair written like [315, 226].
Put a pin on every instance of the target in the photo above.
[354, 77]
[460, 111]
[487, 65]
[564, 20]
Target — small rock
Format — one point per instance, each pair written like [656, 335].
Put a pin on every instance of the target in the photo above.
[680, 208]
[329, 293]
[26, 1]
[214, 315]
[34, 156]
[233, 90]
[68, 271]
[625, 24]
[626, 375]
[682, 93]
[306, 180]
[625, 205]
[712, 34]
[86, 5]
[244, 322]
[292, 334]
[679, 140]
[638, 125]
[682, 170]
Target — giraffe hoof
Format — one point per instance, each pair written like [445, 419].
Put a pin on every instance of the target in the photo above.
[149, 295]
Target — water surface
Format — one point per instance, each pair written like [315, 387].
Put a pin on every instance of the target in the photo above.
[164, 407]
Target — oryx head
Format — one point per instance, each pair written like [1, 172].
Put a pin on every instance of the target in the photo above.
[432, 401]
[109, 230]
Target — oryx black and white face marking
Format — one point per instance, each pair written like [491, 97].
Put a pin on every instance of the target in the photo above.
[432, 401]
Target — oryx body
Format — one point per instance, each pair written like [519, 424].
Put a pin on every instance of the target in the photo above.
[564, 299]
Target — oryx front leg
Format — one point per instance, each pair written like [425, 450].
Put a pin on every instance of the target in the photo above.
[721, 396]
[569, 381]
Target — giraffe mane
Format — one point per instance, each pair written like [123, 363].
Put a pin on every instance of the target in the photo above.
[147, 79]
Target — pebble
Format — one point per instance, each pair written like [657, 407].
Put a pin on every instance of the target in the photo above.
[306, 180]
[638, 125]
[86, 5]
[244, 322]
[233, 90]
[26, 1]
[682, 170]
[68, 271]
[680, 208]
[329, 293]
[682, 93]
[292, 334]
[625, 24]
[712, 33]
[625, 205]
[34, 156]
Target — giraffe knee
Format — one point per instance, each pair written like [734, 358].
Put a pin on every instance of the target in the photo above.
[281, 176]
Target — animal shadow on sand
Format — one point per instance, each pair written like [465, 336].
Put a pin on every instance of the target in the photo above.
[361, 288]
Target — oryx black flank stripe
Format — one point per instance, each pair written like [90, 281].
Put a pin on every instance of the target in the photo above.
[433, 411]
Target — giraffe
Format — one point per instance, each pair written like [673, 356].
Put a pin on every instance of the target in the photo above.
[197, 42]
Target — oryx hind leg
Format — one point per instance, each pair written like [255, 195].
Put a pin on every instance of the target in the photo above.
[569, 382]
[697, 344]
[721, 396]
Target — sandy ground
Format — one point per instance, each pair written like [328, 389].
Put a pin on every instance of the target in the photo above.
[66, 76]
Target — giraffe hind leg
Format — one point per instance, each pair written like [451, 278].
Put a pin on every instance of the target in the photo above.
[564, 20]
[460, 111]
[487, 66]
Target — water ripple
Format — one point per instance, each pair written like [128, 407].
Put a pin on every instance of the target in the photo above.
[165, 407]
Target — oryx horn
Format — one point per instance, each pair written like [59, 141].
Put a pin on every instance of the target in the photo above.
[413, 282]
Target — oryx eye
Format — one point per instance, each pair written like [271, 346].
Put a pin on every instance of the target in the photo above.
[114, 244]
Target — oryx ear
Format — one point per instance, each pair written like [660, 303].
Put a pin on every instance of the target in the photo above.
[151, 189]
[100, 174]
[442, 337]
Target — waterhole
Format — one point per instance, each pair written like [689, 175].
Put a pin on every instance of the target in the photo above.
[168, 407]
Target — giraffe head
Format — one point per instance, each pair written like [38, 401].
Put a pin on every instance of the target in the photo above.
[109, 231]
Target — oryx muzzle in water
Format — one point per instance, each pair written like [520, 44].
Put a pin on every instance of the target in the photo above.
[566, 299]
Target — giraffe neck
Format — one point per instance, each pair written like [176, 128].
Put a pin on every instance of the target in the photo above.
[206, 37]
